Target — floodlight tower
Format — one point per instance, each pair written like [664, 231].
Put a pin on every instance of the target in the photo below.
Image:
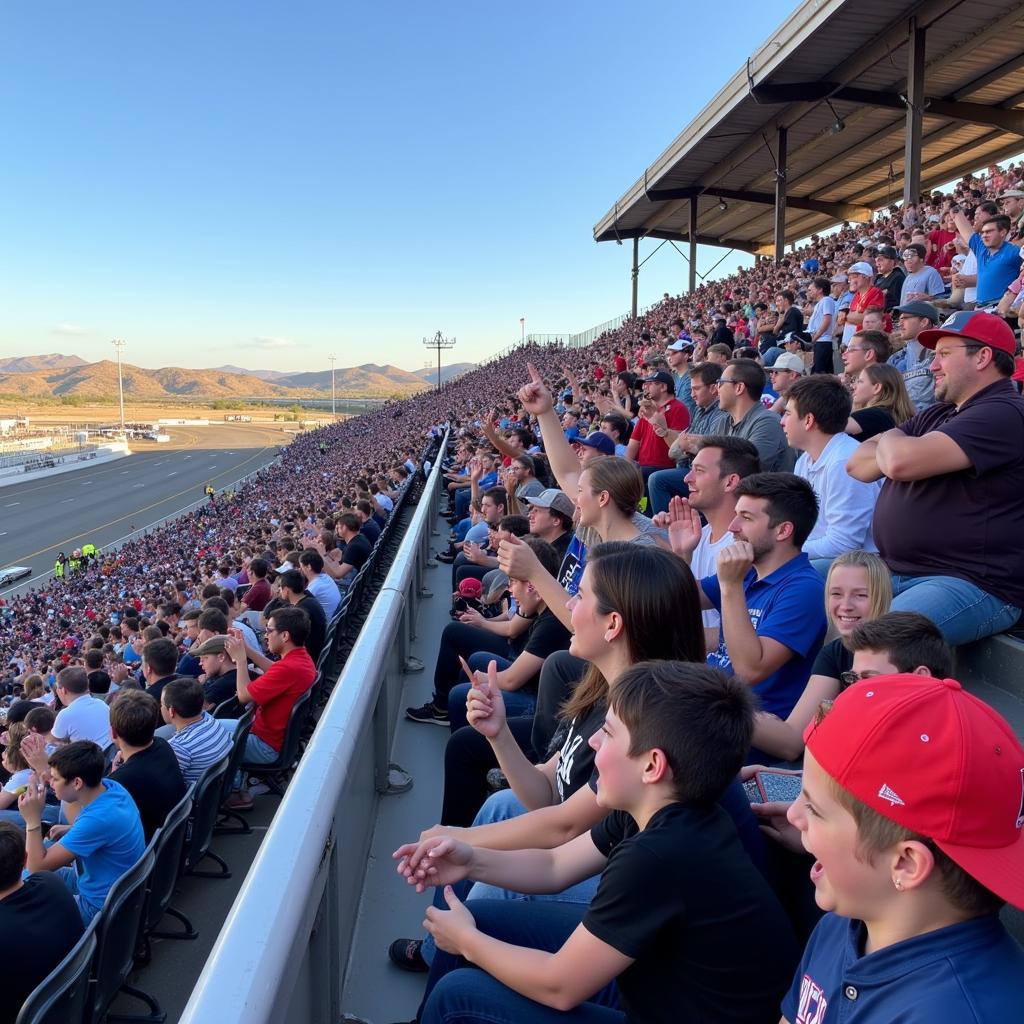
[334, 411]
[440, 343]
[119, 345]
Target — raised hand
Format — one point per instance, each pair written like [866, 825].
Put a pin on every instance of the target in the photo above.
[450, 927]
[517, 560]
[485, 704]
[734, 562]
[534, 396]
[440, 861]
[684, 527]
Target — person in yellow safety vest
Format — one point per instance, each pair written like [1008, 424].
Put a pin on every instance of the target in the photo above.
[208, 491]
[58, 568]
[74, 564]
[89, 551]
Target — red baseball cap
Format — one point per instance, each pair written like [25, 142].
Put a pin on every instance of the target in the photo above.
[986, 328]
[933, 758]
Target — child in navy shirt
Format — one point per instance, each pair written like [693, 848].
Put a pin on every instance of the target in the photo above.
[913, 805]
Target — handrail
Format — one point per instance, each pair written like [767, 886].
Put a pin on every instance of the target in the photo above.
[295, 912]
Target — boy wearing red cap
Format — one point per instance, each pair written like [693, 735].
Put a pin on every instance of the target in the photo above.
[913, 805]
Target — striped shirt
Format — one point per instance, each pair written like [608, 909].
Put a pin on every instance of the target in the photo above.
[200, 745]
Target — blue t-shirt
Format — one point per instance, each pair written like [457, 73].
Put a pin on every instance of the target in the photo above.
[965, 972]
[788, 606]
[996, 270]
[108, 839]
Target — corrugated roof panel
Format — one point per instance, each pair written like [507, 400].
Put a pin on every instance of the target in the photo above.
[964, 42]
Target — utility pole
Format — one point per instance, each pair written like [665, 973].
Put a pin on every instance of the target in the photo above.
[119, 345]
[522, 330]
[440, 343]
[334, 411]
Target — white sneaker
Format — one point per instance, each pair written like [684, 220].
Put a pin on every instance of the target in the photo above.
[258, 789]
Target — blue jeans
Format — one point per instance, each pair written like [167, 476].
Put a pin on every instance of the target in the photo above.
[962, 611]
[517, 702]
[665, 484]
[69, 876]
[256, 750]
[51, 814]
[456, 994]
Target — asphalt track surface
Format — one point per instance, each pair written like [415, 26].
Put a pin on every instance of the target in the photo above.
[106, 502]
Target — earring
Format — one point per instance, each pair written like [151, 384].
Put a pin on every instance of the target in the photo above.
[898, 884]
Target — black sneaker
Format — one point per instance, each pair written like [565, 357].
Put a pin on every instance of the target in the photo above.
[405, 953]
[428, 714]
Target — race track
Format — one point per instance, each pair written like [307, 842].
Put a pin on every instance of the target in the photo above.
[106, 502]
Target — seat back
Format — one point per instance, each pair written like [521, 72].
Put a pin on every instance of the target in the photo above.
[109, 753]
[117, 932]
[167, 847]
[61, 997]
[237, 752]
[296, 723]
[205, 803]
[229, 708]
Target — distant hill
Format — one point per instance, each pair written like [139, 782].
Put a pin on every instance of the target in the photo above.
[262, 374]
[29, 364]
[88, 380]
[447, 372]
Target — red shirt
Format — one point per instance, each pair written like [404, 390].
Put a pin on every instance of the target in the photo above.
[276, 692]
[940, 257]
[620, 364]
[653, 450]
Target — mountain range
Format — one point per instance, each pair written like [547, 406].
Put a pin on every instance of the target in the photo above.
[56, 375]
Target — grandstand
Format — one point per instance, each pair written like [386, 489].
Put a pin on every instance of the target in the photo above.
[809, 143]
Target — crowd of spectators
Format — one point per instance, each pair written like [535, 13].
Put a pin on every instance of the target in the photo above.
[651, 539]
[832, 445]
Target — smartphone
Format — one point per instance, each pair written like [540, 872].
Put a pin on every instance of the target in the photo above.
[773, 785]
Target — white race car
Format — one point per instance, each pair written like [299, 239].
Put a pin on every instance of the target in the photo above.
[13, 573]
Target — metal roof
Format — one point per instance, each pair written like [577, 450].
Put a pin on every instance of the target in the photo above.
[845, 61]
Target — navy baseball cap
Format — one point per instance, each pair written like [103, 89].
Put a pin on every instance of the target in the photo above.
[984, 328]
[602, 442]
[661, 377]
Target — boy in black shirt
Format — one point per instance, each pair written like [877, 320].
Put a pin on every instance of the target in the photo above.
[682, 921]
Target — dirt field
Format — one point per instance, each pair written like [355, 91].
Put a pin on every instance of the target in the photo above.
[61, 415]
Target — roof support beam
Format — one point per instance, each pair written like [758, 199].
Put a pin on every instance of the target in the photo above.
[636, 272]
[841, 211]
[915, 115]
[780, 194]
[693, 245]
[956, 110]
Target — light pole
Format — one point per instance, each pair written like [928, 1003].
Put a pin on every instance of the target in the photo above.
[118, 344]
[522, 330]
[334, 411]
[440, 343]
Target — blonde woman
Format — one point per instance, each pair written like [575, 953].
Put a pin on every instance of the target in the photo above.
[880, 401]
[858, 588]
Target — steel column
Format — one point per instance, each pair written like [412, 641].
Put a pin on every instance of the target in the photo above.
[692, 235]
[915, 114]
[636, 272]
[780, 193]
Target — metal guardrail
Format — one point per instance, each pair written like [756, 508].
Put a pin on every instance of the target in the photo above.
[279, 957]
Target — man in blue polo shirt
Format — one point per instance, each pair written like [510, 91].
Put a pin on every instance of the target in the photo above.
[998, 260]
[771, 600]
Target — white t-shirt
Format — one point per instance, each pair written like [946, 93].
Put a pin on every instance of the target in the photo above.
[85, 718]
[17, 780]
[325, 590]
[704, 563]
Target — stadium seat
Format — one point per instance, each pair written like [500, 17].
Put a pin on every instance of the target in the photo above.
[235, 756]
[109, 753]
[275, 773]
[201, 822]
[230, 708]
[167, 851]
[117, 933]
[62, 996]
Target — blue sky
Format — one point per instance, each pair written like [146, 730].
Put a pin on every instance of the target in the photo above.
[265, 184]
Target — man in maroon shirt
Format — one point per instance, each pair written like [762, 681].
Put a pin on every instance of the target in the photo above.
[949, 518]
[258, 595]
[647, 446]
